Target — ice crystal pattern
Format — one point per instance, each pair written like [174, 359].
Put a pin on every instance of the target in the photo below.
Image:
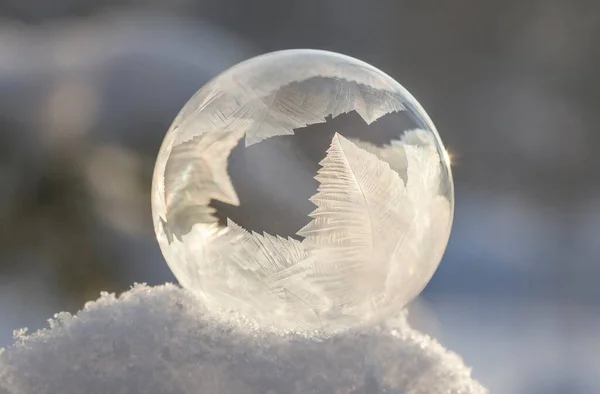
[381, 214]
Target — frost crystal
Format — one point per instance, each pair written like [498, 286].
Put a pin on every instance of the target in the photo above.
[362, 213]
[162, 340]
[300, 227]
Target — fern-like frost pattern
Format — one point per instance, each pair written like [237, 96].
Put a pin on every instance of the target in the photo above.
[361, 212]
[263, 112]
[369, 248]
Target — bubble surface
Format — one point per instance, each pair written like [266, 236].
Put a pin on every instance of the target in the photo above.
[305, 189]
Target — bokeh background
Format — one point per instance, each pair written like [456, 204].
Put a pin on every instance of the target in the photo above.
[88, 89]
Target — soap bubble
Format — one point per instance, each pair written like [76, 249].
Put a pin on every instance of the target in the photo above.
[305, 189]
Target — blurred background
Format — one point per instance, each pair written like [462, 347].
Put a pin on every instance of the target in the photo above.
[88, 89]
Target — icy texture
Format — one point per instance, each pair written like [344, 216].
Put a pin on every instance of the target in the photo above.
[381, 210]
[368, 222]
[162, 340]
[262, 95]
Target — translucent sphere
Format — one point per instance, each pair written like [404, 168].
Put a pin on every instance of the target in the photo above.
[305, 189]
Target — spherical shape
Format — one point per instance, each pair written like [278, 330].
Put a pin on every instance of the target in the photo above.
[303, 188]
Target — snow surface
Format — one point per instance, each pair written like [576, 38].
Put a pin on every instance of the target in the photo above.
[163, 340]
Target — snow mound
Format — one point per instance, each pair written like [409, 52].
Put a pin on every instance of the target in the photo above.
[162, 340]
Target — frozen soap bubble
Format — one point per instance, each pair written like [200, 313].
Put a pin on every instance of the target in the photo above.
[304, 189]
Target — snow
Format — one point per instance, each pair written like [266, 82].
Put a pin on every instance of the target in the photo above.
[162, 340]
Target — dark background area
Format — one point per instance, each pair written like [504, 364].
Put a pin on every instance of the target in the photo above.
[89, 88]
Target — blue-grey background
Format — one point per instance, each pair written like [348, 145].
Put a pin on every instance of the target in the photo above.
[88, 89]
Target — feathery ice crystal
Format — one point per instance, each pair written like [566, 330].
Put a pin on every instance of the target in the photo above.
[305, 189]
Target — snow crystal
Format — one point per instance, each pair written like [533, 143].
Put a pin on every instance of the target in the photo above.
[162, 340]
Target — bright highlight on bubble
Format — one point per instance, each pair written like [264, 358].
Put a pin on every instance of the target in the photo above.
[304, 189]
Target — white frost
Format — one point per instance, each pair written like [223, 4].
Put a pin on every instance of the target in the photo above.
[162, 340]
[196, 173]
[362, 214]
[271, 95]
[373, 243]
